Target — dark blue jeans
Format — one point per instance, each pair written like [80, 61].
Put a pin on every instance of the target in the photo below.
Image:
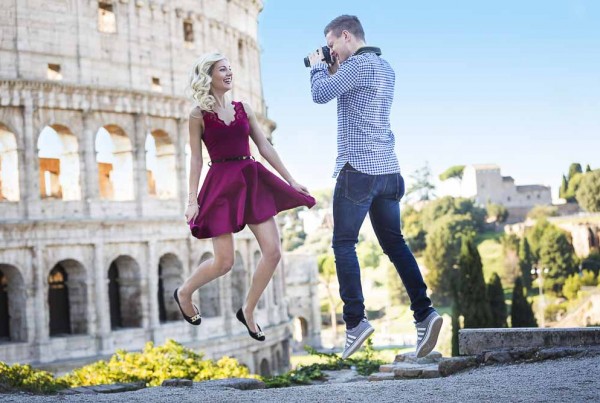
[355, 195]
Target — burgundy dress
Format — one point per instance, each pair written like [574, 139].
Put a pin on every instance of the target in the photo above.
[240, 192]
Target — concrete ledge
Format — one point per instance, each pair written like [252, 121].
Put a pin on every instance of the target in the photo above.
[479, 341]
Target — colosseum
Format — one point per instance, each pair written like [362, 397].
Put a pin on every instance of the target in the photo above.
[93, 184]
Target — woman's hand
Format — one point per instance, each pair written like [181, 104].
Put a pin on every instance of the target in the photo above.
[191, 212]
[299, 188]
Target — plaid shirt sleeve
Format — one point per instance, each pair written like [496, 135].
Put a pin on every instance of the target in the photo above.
[325, 87]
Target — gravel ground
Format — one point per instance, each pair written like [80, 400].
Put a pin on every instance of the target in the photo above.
[564, 380]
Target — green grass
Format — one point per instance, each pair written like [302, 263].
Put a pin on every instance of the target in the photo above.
[492, 255]
[384, 354]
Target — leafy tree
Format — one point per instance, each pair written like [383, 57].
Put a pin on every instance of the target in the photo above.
[588, 168]
[572, 286]
[474, 303]
[448, 205]
[521, 312]
[442, 252]
[396, 291]
[557, 255]
[526, 262]
[496, 212]
[541, 211]
[588, 193]
[327, 275]
[574, 169]
[369, 254]
[495, 294]
[534, 235]
[293, 230]
[455, 171]
[588, 278]
[592, 262]
[412, 229]
[564, 185]
[574, 183]
[421, 186]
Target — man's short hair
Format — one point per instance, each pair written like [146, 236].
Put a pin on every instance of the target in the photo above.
[348, 23]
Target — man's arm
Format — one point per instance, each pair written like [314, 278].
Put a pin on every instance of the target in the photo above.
[325, 87]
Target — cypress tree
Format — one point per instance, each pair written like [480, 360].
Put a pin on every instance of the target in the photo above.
[526, 261]
[474, 304]
[521, 312]
[497, 305]
[564, 186]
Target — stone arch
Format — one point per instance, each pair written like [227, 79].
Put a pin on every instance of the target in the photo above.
[161, 169]
[115, 163]
[265, 368]
[238, 282]
[300, 329]
[13, 326]
[58, 163]
[67, 295]
[170, 276]
[9, 165]
[262, 301]
[210, 302]
[124, 292]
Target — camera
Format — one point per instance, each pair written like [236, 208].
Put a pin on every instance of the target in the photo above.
[326, 57]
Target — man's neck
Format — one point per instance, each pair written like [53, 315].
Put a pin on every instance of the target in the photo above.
[358, 45]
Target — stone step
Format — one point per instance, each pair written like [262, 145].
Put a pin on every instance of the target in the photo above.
[408, 366]
[479, 341]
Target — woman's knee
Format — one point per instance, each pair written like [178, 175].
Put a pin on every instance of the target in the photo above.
[223, 265]
[273, 255]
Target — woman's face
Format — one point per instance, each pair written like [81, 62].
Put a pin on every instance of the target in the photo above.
[221, 76]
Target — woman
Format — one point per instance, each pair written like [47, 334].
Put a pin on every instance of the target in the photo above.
[237, 191]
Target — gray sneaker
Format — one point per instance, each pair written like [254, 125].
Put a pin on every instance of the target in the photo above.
[356, 336]
[427, 333]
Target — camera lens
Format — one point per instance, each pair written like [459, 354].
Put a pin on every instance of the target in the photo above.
[306, 62]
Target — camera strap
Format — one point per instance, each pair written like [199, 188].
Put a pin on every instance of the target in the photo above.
[368, 49]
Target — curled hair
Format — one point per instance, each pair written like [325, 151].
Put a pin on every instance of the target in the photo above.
[200, 80]
[348, 23]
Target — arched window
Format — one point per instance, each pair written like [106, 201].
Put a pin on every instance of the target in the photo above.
[265, 370]
[58, 302]
[115, 164]
[124, 293]
[161, 172]
[58, 164]
[4, 315]
[170, 276]
[9, 169]
[13, 326]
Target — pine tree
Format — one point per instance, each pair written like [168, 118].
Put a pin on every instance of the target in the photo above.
[526, 262]
[574, 169]
[588, 168]
[564, 186]
[521, 312]
[497, 305]
[474, 304]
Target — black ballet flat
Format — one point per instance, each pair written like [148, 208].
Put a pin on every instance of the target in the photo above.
[193, 320]
[260, 335]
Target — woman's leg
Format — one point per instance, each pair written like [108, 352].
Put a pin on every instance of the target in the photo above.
[267, 235]
[207, 271]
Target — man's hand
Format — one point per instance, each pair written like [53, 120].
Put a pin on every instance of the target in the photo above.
[316, 57]
[333, 68]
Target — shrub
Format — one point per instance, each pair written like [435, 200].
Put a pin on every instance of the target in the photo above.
[25, 378]
[572, 286]
[154, 365]
[588, 278]
[554, 312]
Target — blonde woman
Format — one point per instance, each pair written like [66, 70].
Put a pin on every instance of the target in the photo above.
[237, 191]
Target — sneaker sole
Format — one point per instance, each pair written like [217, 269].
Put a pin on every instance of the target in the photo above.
[359, 341]
[431, 337]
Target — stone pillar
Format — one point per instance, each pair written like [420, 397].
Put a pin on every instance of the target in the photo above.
[139, 162]
[40, 316]
[102, 306]
[90, 190]
[152, 287]
[31, 192]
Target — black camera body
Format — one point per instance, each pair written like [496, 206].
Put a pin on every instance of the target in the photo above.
[326, 57]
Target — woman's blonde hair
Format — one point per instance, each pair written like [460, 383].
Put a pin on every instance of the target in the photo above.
[200, 79]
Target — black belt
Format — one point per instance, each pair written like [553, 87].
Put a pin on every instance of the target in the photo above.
[242, 158]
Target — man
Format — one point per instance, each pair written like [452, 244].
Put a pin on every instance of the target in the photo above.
[368, 176]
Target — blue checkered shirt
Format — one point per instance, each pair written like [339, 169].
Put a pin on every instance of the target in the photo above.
[364, 86]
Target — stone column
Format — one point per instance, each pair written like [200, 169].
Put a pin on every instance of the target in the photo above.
[152, 287]
[40, 316]
[102, 305]
[31, 192]
[139, 162]
[89, 168]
